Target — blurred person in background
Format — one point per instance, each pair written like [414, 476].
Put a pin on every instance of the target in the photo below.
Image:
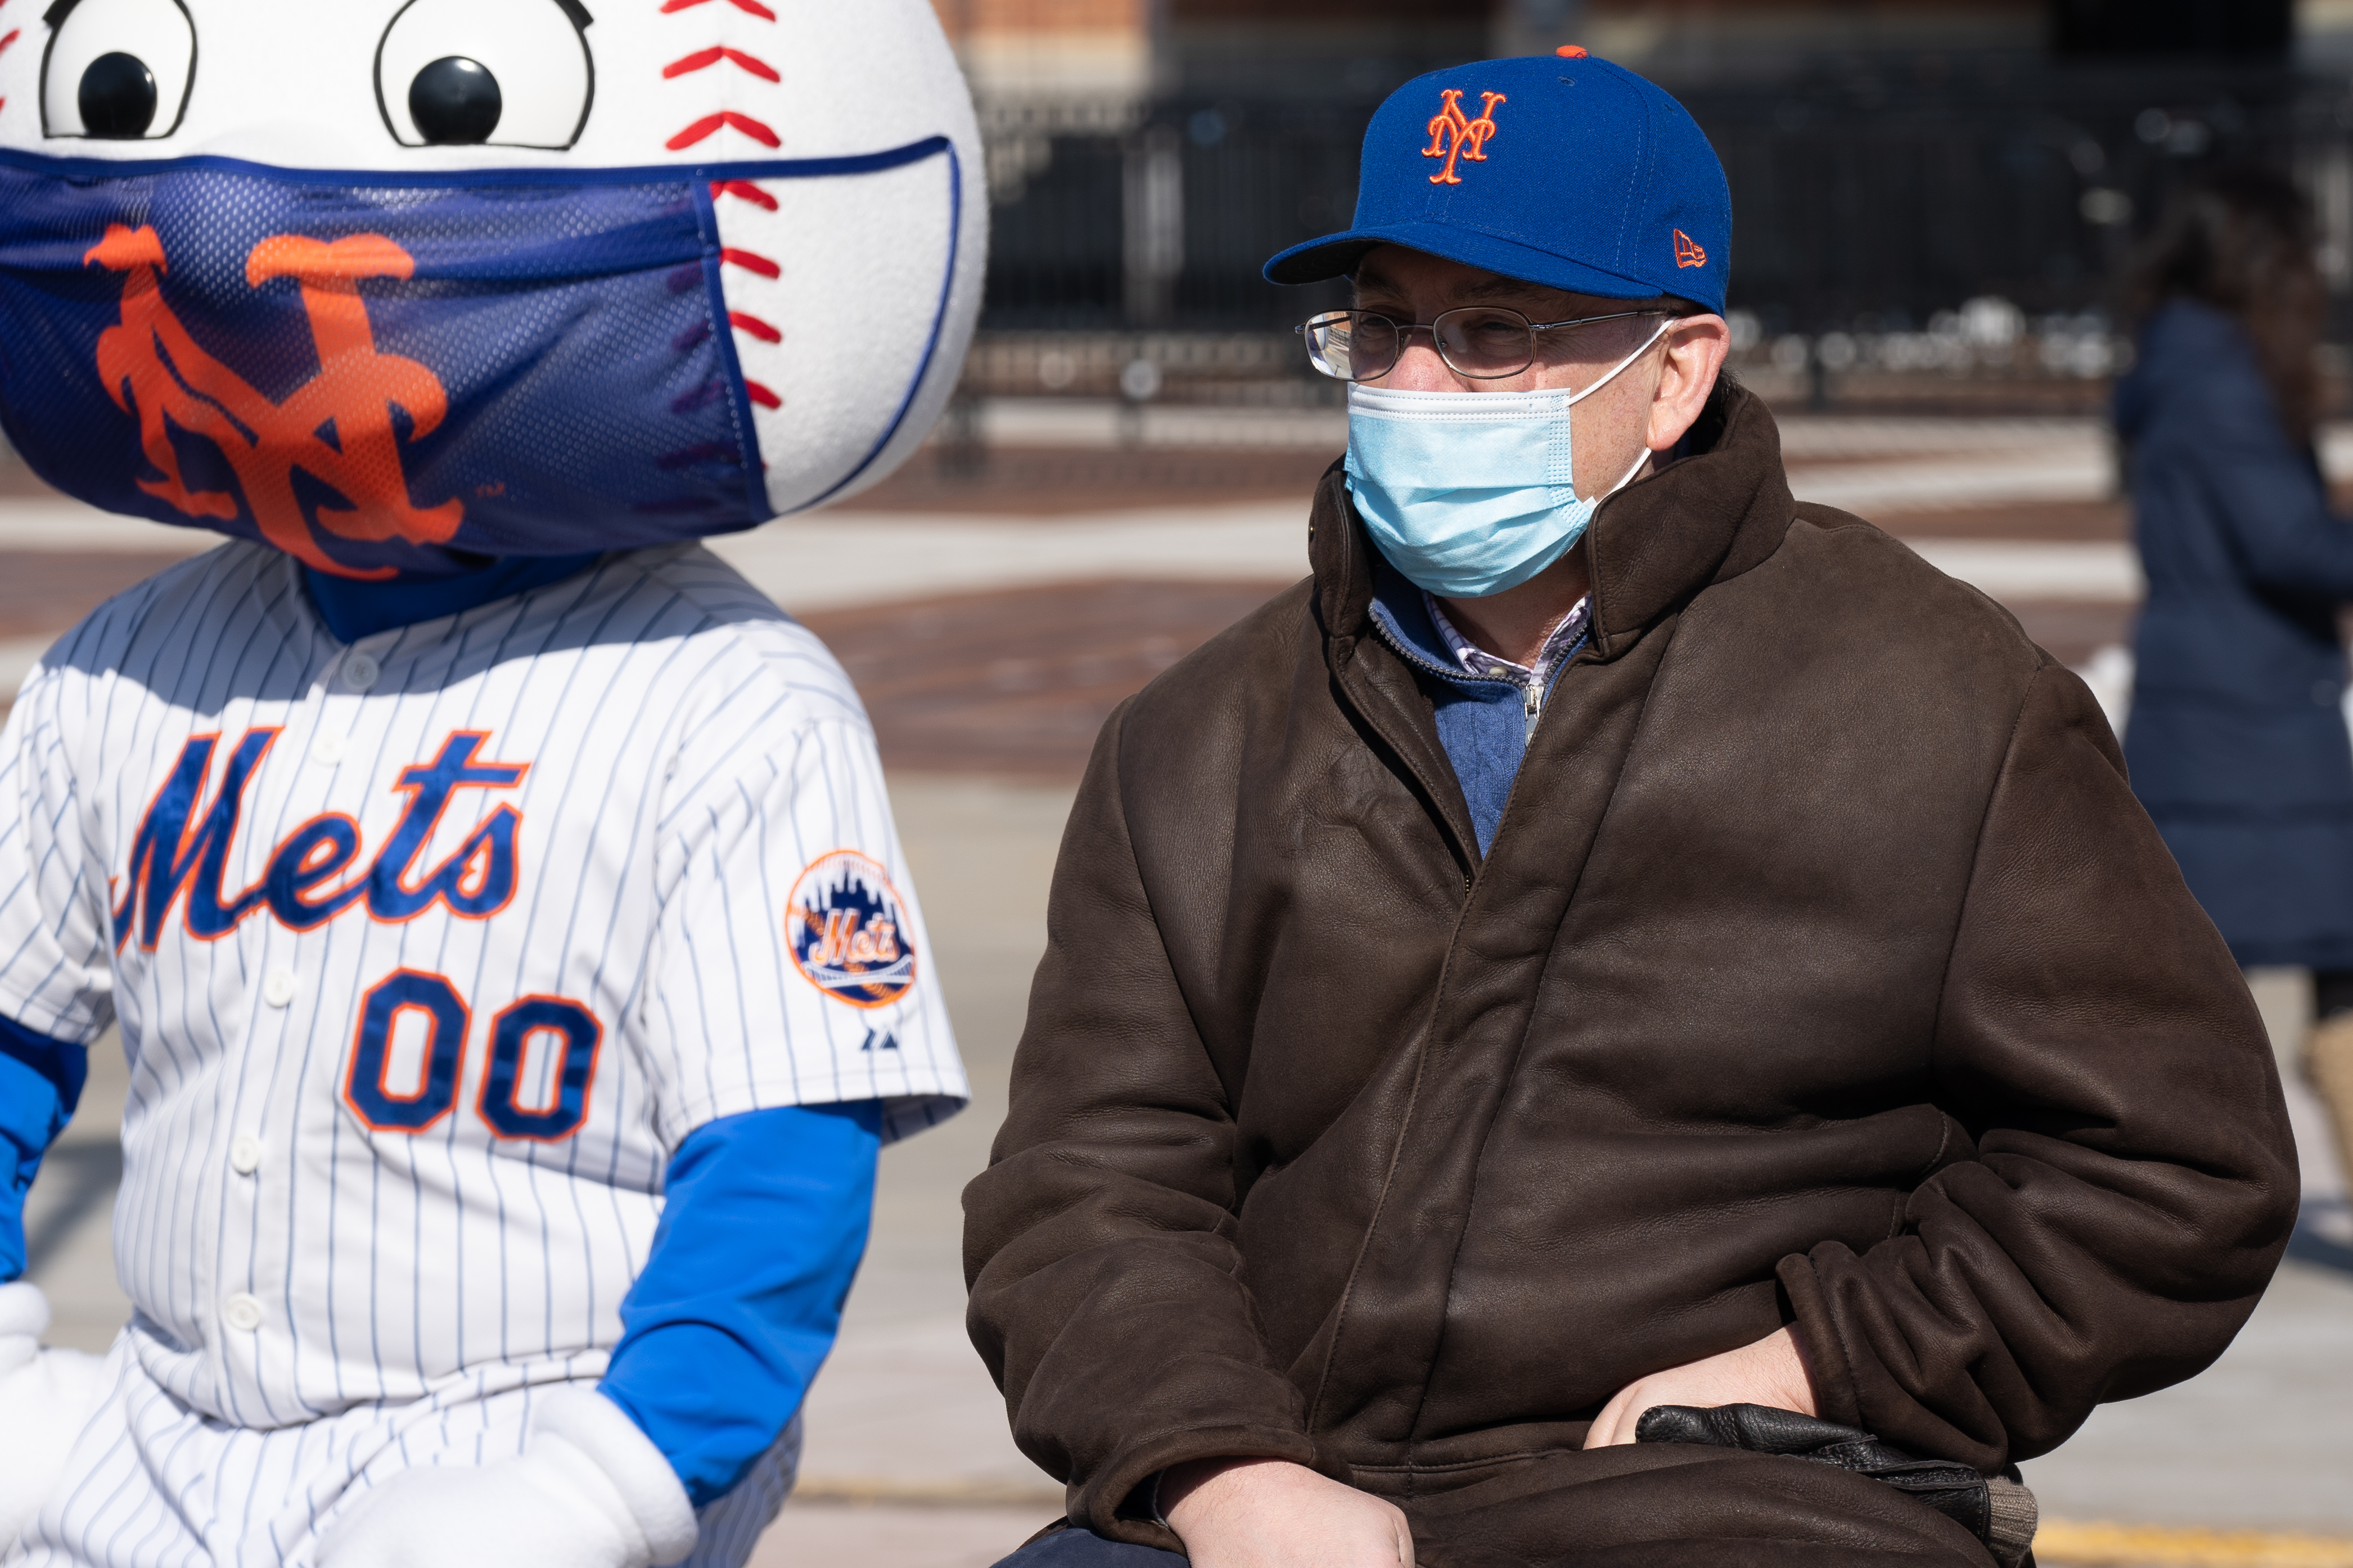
[2237, 741]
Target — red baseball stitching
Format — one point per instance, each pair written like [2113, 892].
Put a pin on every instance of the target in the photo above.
[710, 124]
[693, 62]
[752, 7]
[703, 59]
[753, 63]
[743, 188]
[758, 130]
[14, 33]
[751, 262]
[746, 321]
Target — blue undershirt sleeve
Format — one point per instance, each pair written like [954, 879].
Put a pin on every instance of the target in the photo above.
[764, 1221]
[40, 1084]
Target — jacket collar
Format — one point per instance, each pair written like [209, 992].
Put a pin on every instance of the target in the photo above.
[1402, 611]
[1706, 517]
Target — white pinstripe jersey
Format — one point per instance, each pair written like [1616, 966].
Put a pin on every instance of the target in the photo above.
[428, 952]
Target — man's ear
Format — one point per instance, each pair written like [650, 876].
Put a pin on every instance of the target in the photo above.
[1694, 349]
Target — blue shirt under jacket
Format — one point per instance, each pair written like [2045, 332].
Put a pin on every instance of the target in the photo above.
[1483, 723]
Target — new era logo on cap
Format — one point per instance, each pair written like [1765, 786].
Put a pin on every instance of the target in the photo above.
[1590, 179]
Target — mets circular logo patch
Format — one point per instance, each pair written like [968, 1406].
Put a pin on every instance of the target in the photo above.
[844, 924]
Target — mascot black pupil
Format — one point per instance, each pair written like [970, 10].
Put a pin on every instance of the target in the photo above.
[118, 98]
[454, 103]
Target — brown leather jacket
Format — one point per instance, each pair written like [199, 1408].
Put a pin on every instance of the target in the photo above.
[1822, 970]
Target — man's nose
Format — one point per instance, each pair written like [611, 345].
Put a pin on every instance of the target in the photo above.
[1419, 369]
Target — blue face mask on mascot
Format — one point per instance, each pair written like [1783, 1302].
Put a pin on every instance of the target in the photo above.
[525, 334]
[498, 367]
[1471, 493]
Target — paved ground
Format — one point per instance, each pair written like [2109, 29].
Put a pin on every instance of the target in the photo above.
[1016, 682]
[990, 641]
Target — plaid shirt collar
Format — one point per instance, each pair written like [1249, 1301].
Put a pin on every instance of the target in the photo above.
[1486, 665]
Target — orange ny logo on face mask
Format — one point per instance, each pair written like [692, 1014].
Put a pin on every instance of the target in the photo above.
[336, 428]
[1452, 136]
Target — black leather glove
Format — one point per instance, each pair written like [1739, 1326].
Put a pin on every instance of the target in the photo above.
[1998, 1509]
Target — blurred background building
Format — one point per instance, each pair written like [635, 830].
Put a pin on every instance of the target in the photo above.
[1932, 196]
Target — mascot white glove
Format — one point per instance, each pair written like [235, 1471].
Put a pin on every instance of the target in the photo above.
[46, 1396]
[588, 1490]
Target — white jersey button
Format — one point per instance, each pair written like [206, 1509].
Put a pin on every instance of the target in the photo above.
[330, 749]
[242, 1312]
[278, 987]
[360, 670]
[245, 1155]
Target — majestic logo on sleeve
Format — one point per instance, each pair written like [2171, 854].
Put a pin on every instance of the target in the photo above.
[336, 430]
[1453, 135]
[848, 933]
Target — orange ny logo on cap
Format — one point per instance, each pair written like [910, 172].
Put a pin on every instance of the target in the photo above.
[1687, 251]
[1452, 136]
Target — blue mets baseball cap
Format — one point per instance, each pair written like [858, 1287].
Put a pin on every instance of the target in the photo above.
[1562, 170]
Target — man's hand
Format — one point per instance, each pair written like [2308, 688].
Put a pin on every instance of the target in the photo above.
[589, 1490]
[1271, 1513]
[46, 1396]
[1770, 1372]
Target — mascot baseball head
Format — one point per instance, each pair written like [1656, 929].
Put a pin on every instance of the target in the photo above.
[395, 285]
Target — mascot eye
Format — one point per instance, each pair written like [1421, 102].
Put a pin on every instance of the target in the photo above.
[462, 73]
[454, 103]
[117, 70]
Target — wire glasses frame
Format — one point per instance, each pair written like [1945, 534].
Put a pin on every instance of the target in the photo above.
[1479, 343]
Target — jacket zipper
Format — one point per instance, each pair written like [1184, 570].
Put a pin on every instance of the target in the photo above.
[1398, 645]
[1531, 690]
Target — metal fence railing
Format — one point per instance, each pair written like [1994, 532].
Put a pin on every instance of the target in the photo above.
[1940, 217]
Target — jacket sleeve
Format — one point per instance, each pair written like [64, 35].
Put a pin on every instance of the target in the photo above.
[2118, 1181]
[2272, 503]
[1099, 1243]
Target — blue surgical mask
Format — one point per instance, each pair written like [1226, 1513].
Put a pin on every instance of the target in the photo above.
[1470, 493]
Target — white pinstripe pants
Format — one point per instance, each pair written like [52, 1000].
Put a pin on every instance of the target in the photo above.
[153, 1483]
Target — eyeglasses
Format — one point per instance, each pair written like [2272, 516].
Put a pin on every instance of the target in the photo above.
[1482, 342]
